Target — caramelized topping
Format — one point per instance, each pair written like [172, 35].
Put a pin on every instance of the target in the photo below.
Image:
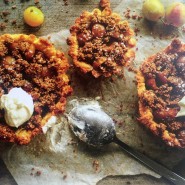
[165, 114]
[98, 30]
[30, 52]
[83, 38]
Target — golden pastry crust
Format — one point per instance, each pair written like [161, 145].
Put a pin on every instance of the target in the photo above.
[160, 85]
[100, 43]
[38, 68]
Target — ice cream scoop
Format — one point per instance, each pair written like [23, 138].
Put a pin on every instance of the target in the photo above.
[18, 106]
[96, 128]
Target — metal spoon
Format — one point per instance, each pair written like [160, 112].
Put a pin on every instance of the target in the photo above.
[93, 126]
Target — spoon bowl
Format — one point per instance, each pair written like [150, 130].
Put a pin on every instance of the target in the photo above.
[92, 125]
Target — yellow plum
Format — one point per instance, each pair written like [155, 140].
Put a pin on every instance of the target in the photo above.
[153, 10]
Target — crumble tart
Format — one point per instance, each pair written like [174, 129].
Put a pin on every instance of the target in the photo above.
[100, 43]
[34, 65]
[161, 85]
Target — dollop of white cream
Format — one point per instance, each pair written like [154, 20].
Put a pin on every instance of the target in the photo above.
[51, 122]
[181, 103]
[18, 107]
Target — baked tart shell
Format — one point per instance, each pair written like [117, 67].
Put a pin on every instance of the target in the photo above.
[24, 133]
[146, 116]
[99, 65]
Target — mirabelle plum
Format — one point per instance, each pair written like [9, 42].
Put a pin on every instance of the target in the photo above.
[153, 10]
[33, 16]
[175, 14]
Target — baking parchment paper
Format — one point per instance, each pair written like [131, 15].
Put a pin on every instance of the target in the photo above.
[58, 157]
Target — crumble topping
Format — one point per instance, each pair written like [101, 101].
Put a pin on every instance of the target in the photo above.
[100, 43]
[164, 76]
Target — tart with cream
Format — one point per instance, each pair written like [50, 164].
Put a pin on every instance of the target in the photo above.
[161, 91]
[100, 43]
[33, 86]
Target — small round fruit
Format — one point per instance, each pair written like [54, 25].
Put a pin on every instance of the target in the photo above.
[175, 14]
[153, 10]
[33, 16]
[98, 30]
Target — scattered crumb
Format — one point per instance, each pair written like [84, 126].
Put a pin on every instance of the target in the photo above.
[6, 1]
[136, 30]
[2, 26]
[36, 1]
[49, 37]
[120, 124]
[65, 2]
[14, 7]
[14, 22]
[64, 177]
[5, 13]
[6, 20]
[96, 165]
[121, 107]
[134, 16]
[127, 13]
[38, 173]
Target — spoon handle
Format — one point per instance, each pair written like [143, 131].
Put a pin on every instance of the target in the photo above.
[161, 170]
